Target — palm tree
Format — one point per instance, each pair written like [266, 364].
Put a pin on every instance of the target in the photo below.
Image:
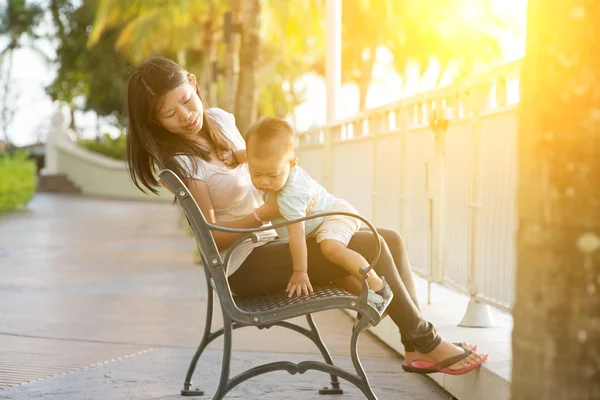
[246, 101]
[556, 335]
[293, 40]
[414, 31]
[158, 27]
[366, 25]
[231, 57]
[165, 27]
[150, 27]
[17, 20]
[443, 32]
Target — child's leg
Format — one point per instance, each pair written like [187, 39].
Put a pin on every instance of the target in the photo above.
[351, 261]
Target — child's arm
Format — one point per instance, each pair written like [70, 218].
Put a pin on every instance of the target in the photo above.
[299, 282]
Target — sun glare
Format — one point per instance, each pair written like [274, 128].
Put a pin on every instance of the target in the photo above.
[471, 12]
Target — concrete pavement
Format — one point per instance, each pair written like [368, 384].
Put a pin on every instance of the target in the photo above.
[100, 299]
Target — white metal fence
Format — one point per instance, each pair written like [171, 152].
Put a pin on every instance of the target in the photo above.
[451, 194]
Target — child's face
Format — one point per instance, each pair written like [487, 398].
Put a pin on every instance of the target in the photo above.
[269, 174]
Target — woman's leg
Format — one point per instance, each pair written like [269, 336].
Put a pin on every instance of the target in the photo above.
[426, 344]
[402, 310]
[400, 256]
[269, 268]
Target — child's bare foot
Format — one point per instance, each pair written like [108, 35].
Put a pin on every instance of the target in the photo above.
[374, 282]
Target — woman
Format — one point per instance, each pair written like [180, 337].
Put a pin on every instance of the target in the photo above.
[169, 124]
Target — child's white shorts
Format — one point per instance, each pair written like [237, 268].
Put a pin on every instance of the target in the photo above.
[338, 227]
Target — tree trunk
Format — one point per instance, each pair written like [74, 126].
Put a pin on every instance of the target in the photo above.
[7, 113]
[182, 57]
[247, 94]
[231, 62]
[365, 78]
[72, 123]
[205, 77]
[213, 74]
[556, 336]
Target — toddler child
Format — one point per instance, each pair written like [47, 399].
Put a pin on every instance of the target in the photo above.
[274, 171]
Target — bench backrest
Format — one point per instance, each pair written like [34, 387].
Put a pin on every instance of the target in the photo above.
[201, 230]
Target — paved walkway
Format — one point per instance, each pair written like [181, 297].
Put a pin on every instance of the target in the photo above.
[100, 300]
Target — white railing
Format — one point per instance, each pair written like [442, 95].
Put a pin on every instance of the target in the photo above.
[450, 193]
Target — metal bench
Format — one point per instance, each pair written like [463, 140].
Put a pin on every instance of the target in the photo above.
[265, 311]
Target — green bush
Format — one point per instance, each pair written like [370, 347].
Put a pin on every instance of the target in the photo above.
[107, 146]
[17, 181]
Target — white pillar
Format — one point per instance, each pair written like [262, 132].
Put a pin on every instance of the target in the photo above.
[57, 133]
[333, 78]
[333, 55]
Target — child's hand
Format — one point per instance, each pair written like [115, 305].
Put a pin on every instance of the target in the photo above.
[227, 158]
[299, 284]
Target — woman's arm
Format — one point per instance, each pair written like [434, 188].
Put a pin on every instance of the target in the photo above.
[223, 240]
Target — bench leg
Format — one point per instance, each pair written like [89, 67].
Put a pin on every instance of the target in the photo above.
[335, 383]
[206, 339]
[364, 386]
[223, 387]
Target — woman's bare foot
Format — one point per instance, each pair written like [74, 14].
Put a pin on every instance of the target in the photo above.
[447, 350]
[411, 356]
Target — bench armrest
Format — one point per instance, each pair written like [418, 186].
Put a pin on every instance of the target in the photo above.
[250, 233]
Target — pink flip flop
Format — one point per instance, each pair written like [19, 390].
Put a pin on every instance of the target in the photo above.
[427, 367]
[459, 344]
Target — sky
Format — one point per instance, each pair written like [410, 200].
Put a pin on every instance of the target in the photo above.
[34, 109]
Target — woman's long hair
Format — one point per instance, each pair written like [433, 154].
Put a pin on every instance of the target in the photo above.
[149, 145]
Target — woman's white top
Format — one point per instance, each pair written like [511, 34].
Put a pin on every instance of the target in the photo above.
[231, 191]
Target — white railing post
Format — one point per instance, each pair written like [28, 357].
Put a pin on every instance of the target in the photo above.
[402, 122]
[333, 78]
[477, 315]
[443, 115]
[439, 118]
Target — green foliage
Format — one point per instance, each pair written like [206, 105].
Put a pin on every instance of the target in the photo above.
[17, 181]
[107, 146]
[149, 28]
[19, 17]
[98, 74]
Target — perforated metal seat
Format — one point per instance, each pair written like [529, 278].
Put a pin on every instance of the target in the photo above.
[279, 300]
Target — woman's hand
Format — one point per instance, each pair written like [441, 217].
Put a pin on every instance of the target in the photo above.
[312, 203]
[299, 284]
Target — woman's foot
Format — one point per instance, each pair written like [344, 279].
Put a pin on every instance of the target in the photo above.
[446, 350]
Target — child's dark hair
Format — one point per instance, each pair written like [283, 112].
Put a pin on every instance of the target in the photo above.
[270, 136]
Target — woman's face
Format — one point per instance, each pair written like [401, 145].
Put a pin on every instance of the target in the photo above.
[182, 112]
